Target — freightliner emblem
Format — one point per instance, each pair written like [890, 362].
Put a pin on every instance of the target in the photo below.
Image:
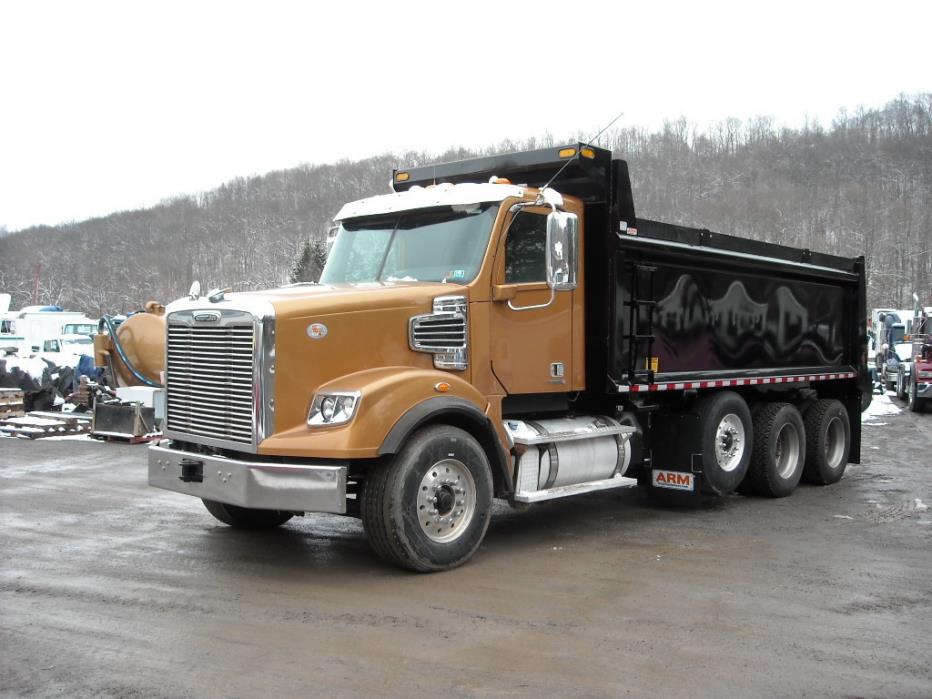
[317, 331]
[207, 317]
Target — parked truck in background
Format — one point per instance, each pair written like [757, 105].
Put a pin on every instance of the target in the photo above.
[34, 326]
[914, 382]
[506, 327]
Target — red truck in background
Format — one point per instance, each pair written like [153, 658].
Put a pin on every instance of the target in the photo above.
[916, 380]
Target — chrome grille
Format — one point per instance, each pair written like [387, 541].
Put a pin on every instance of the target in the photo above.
[210, 381]
[442, 333]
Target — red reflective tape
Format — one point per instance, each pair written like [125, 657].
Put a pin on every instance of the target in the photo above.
[722, 383]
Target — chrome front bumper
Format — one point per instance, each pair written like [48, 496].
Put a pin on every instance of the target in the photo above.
[253, 484]
[923, 389]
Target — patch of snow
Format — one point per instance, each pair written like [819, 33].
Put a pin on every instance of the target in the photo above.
[72, 438]
[33, 366]
[843, 517]
[880, 406]
[28, 421]
[920, 505]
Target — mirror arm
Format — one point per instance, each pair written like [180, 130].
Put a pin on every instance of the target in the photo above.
[553, 295]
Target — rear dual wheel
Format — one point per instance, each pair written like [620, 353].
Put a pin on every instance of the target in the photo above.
[725, 433]
[779, 450]
[828, 442]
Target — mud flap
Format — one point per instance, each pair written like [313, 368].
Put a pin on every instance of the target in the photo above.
[675, 466]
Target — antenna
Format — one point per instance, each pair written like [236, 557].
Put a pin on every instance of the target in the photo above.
[588, 143]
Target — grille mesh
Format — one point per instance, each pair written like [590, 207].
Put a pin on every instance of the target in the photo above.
[209, 381]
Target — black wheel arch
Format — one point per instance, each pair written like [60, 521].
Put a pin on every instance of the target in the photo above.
[450, 410]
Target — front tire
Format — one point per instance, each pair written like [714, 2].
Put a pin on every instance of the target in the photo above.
[828, 441]
[726, 436]
[779, 450]
[901, 386]
[246, 518]
[429, 508]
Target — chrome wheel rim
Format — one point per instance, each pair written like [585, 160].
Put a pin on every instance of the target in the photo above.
[729, 442]
[787, 451]
[834, 443]
[446, 501]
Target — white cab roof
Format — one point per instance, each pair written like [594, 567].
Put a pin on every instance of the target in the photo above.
[426, 197]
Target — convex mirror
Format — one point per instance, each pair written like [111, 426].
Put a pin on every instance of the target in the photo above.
[562, 250]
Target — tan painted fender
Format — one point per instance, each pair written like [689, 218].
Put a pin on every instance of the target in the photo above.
[388, 395]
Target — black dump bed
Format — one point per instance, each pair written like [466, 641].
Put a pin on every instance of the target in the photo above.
[666, 303]
[692, 305]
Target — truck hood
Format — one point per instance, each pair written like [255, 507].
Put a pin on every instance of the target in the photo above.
[323, 332]
[305, 300]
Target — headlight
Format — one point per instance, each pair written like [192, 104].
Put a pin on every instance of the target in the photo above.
[332, 408]
[924, 374]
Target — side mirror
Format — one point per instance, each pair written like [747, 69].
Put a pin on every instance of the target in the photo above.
[562, 250]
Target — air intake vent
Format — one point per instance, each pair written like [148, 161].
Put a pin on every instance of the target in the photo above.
[442, 333]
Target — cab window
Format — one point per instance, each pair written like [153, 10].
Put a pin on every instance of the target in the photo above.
[525, 247]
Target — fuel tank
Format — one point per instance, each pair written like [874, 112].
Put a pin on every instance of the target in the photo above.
[568, 451]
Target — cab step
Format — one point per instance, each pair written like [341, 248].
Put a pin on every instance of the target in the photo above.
[575, 489]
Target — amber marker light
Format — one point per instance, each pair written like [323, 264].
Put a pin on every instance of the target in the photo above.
[402, 176]
[587, 153]
[567, 152]
[442, 387]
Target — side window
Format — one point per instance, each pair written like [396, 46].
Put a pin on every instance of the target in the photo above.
[525, 249]
[51, 346]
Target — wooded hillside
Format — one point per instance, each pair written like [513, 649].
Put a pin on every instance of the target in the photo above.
[860, 187]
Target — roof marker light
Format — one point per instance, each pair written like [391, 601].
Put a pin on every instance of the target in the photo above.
[587, 153]
[402, 176]
[566, 152]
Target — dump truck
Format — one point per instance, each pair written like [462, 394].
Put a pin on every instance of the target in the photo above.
[506, 327]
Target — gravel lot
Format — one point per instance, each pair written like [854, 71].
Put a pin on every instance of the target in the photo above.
[111, 588]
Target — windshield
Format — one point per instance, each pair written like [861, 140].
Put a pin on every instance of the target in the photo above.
[439, 245]
[79, 329]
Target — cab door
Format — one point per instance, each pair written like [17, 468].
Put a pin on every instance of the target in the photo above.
[531, 340]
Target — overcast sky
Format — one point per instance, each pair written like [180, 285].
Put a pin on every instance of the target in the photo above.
[116, 105]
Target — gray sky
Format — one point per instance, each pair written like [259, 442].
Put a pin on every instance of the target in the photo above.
[116, 105]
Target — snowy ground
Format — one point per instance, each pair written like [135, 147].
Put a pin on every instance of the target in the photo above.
[881, 406]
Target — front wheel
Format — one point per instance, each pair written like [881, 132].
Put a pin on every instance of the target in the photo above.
[901, 385]
[428, 509]
[246, 518]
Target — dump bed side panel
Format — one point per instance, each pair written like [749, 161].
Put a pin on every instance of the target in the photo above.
[687, 311]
